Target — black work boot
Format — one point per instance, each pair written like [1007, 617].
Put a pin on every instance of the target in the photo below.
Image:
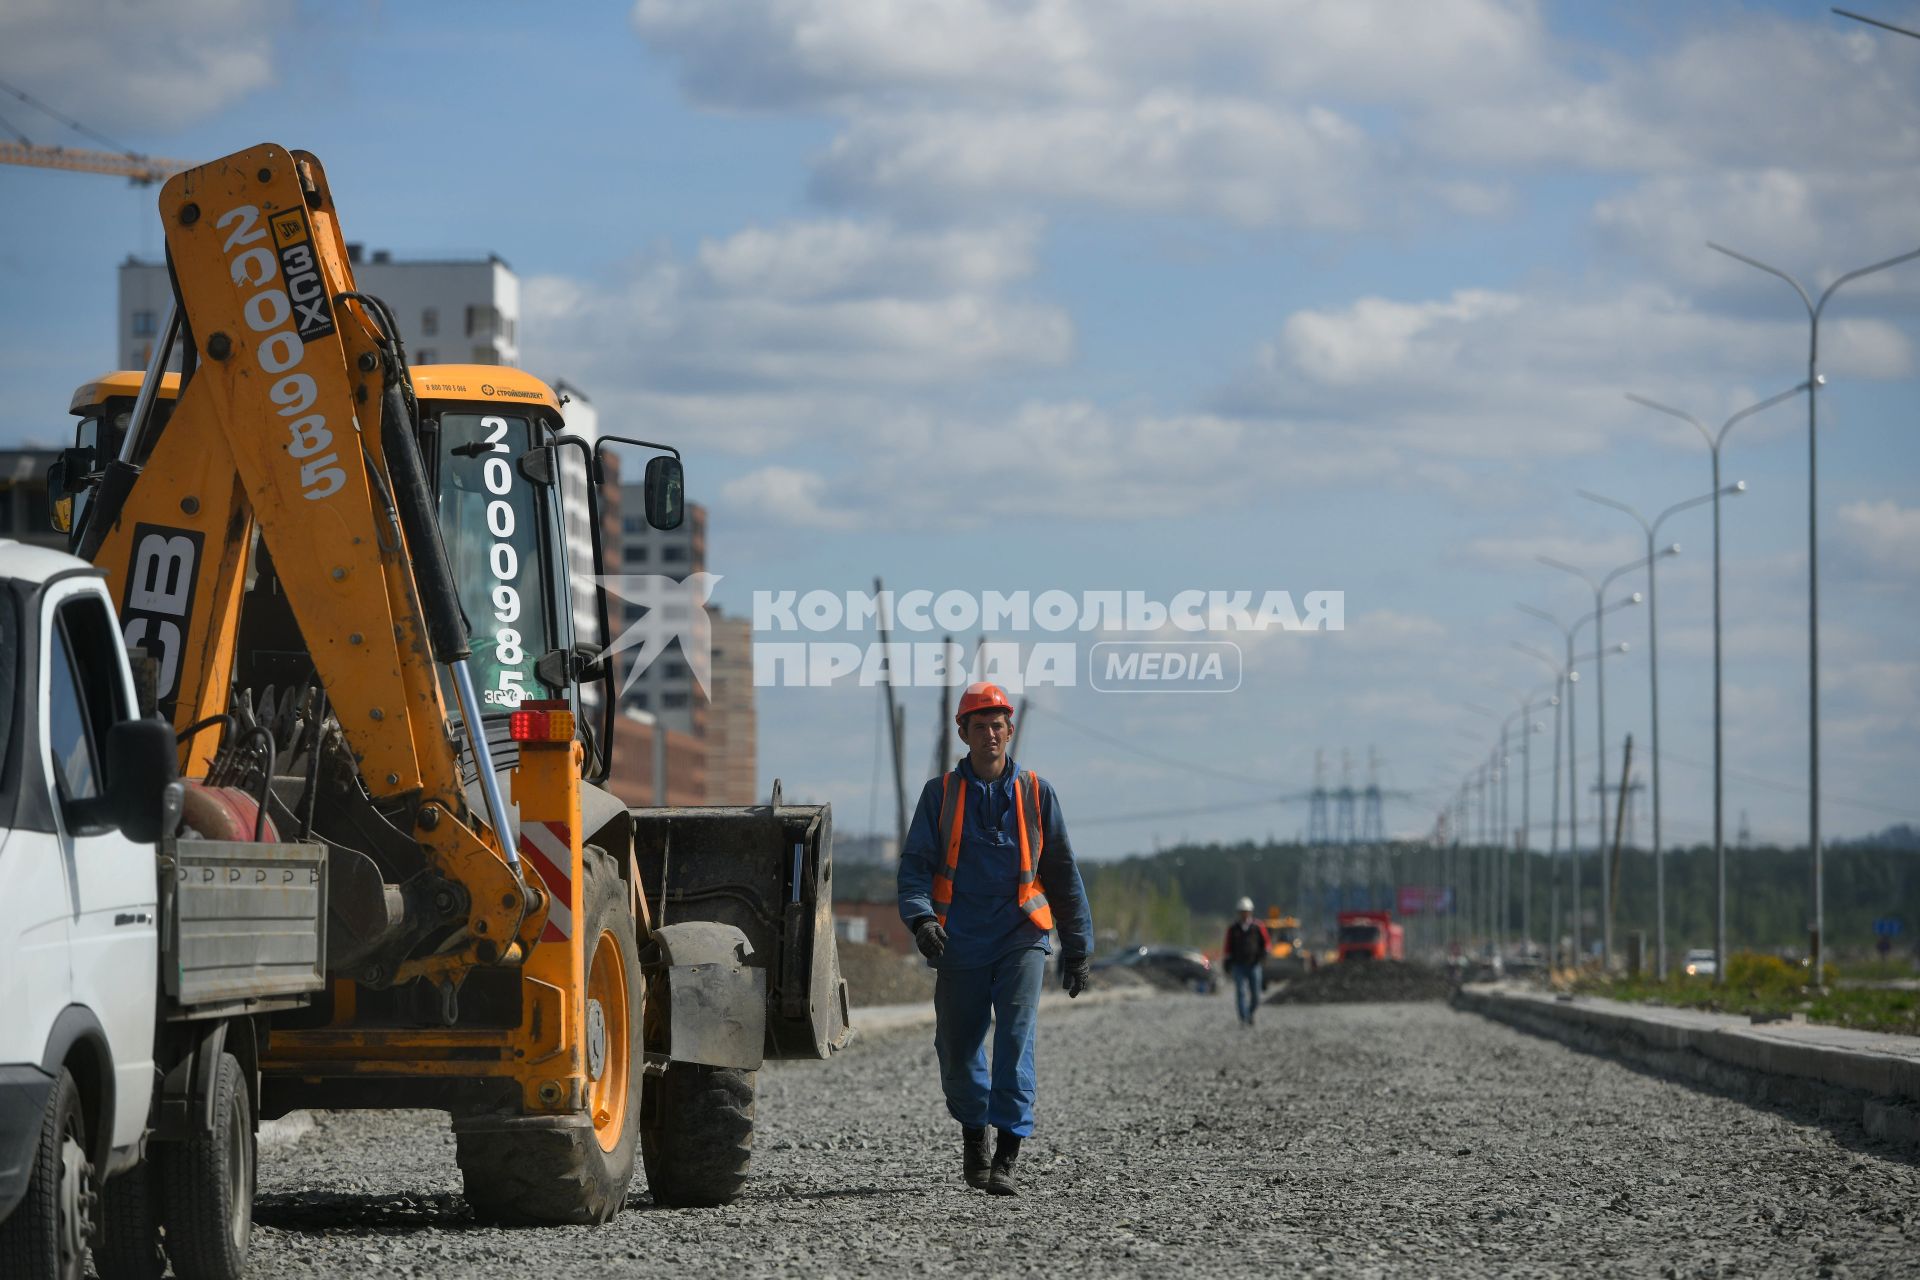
[1000, 1181]
[975, 1158]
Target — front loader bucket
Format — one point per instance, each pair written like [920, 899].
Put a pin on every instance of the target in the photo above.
[767, 870]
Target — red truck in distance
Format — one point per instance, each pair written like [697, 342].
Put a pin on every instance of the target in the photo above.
[1371, 935]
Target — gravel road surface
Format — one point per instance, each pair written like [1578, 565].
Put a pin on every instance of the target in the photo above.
[1335, 1140]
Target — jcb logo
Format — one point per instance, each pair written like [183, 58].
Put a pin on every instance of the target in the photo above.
[160, 583]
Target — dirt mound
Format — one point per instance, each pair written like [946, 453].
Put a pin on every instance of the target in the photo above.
[1363, 982]
[879, 975]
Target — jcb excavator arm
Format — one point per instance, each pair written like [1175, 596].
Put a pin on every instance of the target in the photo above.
[295, 418]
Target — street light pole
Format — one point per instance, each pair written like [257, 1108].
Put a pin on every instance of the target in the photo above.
[1814, 310]
[1573, 761]
[1652, 529]
[1553, 829]
[1600, 700]
[1714, 441]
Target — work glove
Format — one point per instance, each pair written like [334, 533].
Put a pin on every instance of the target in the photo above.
[1076, 973]
[931, 938]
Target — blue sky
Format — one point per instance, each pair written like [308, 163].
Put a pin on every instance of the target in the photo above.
[1114, 294]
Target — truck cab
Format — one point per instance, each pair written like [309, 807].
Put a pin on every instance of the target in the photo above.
[78, 891]
[140, 961]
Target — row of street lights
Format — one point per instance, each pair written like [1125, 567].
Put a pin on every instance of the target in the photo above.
[1567, 675]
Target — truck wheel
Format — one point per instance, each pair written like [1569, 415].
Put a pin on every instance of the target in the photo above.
[698, 1135]
[48, 1231]
[207, 1186]
[128, 1244]
[581, 1175]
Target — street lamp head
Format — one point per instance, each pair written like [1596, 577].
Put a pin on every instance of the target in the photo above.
[1573, 677]
[1737, 487]
[1819, 379]
[1621, 647]
[1635, 598]
[1671, 549]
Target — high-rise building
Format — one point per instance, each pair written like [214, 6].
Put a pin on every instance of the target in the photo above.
[666, 689]
[733, 771]
[450, 311]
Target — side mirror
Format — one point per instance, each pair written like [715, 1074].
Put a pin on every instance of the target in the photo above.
[665, 488]
[70, 470]
[537, 464]
[559, 668]
[142, 759]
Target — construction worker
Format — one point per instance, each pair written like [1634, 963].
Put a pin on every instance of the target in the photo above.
[986, 874]
[1245, 952]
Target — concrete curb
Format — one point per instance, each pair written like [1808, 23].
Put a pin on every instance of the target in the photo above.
[1861, 1077]
[880, 1019]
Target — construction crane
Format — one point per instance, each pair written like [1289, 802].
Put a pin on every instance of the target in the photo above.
[123, 162]
[140, 169]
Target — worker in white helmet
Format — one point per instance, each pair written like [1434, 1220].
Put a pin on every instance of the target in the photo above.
[1244, 952]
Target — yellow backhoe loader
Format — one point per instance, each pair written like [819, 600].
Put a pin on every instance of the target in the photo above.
[357, 572]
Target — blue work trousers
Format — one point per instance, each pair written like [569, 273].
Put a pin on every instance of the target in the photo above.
[1246, 989]
[1006, 994]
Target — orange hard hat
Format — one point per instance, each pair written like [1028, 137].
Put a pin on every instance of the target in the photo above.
[982, 697]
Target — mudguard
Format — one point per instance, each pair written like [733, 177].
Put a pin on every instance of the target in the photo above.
[703, 992]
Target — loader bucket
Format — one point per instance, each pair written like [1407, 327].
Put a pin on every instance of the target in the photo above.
[767, 870]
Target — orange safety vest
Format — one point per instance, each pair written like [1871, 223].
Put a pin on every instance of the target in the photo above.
[953, 817]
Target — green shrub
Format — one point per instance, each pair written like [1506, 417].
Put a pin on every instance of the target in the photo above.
[1751, 971]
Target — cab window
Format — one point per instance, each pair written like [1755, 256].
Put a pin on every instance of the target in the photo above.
[84, 698]
[490, 519]
[70, 736]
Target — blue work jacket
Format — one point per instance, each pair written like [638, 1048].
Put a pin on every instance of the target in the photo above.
[984, 921]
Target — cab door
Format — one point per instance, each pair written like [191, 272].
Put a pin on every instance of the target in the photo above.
[112, 880]
[35, 897]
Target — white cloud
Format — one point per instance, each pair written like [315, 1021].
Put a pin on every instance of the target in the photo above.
[1504, 375]
[1885, 532]
[758, 54]
[1242, 161]
[786, 496]
[804, 320]
[137, 68]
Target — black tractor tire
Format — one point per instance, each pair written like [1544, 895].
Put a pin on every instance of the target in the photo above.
[536, 1177]
[207, 1184]
[48, 1232]
[126, 1243]
[698, 1135]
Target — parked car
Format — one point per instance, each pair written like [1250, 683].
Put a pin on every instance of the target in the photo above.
[1171, 965]
[1700, 964]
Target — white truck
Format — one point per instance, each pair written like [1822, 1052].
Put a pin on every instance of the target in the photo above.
[136, 959]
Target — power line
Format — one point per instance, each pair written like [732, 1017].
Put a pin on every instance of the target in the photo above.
[1777, 785]
[1173, 762]
[68, 121]
[1192, 812]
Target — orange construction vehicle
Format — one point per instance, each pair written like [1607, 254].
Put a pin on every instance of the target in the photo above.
[1371, 935]
[357, 572]
[1287, 953]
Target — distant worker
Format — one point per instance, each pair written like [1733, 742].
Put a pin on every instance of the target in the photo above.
[986, 872]
[1244, 953]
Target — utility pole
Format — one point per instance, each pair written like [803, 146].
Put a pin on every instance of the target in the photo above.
[1619, 814]
[946, 715]
[894, 724]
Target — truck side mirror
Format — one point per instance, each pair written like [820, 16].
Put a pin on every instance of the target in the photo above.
[142, 759]
[536, 464]
[665, 492]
